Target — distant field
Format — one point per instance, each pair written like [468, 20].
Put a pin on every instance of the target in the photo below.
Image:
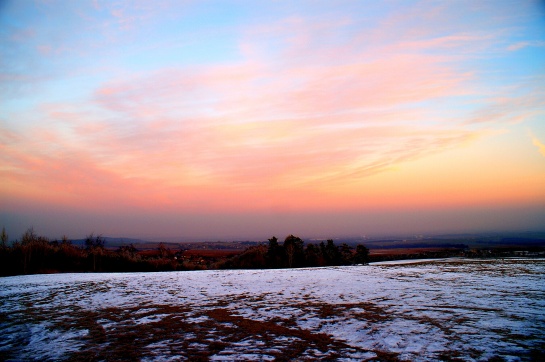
[218, 253]
[405, 251]
[197, 254]
[455, 309]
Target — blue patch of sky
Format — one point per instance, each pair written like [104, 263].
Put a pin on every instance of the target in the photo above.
[208, 34]
[527, 60]
[191, 50]
[513, 68]
[27, 109]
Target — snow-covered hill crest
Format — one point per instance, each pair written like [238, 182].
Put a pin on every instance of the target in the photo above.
[469, 309]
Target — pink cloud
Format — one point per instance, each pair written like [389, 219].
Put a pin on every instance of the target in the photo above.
[512, 104]
[523, 44]
[262, 122]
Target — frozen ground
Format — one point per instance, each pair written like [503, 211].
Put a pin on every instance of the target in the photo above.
[468, 310]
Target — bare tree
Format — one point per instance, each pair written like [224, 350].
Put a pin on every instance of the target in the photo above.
[4, 238]
[294, 249]
[164, 252]
[95, 247]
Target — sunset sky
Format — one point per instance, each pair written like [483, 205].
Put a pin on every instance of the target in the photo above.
[247, 119]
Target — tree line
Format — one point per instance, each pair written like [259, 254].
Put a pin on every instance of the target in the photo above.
[293, 253]
[34, 254]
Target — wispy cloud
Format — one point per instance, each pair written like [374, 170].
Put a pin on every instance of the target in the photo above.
[536, 142]
[512, 104]
[524, 44]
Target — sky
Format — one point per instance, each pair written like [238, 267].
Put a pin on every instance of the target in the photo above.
[247, 119]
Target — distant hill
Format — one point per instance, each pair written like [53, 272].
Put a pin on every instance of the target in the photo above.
[477, 240]
[110, 242]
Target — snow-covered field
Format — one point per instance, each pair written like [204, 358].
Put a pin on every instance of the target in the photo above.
[444, 309]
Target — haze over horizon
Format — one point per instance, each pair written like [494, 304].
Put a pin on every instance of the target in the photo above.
[203, 119]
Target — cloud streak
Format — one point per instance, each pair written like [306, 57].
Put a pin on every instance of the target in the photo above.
[540, 146]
